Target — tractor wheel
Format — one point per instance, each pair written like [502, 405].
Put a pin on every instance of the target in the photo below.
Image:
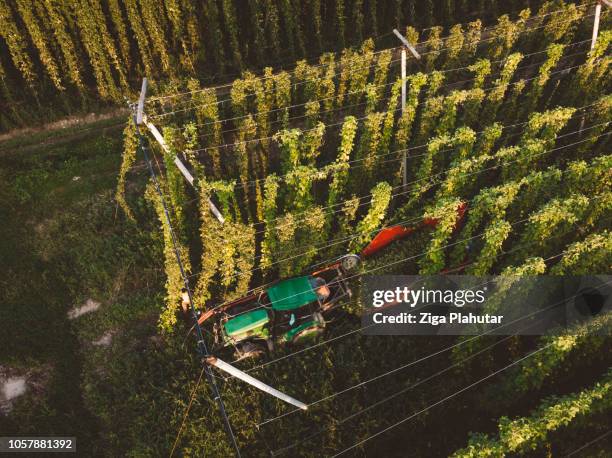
[350, 262]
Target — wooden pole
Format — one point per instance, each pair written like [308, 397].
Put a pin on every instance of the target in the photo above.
[596, 24]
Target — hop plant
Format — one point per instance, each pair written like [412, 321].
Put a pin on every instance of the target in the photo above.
[381, 196]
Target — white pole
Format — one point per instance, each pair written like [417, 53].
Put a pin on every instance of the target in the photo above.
[188, 176]
[222, 365]
[403, 58]
[141, 100]
[414, 52]
[403, 61]
[160, 139]
[405, 155]
[596, 24]
[405, 42]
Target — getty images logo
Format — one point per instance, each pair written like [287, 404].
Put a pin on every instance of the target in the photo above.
[413, 297]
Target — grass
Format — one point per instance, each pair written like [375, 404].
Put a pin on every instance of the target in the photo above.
[63, 241]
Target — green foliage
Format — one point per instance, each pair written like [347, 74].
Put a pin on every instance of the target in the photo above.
[447, 120]
[489, 202]
[346, 218]
[411, 34]
[445, 213]
[555, 215]
[175, 181]
[90, 31]
[404, 125]
[434, 45]
[340, 168]
[130, 145]
[433, 109]
[588, 256]
[174, 279]
[435, 80]
[472, 37]
[154, 23]
[513, 281]
[545, 126]
[462, 176]
[300, 147]
[16, 43]
[389, 120]
[538, 187]
[562, 23]
[381, 196]
[486, 140]
[601, 110]
[553, 54]
[423, 180]
[494, 236]
[472, 106]
[282, 91]
[311, 144]
[40, 41]
[360, 70]
[228, 251]
[481, 69]
[588, 177]
[533, 373]
[297, 237]
[505, 34]
[229, 16]
[99, 44]
[590, 78]
[346, 60]
[327, 84]
[142, 36]
[290, 152]
[67, 46]
[527, 433]
[454, 45]
[299, 195]
[308, 78]
[207, 116]
[381, 72]
[247, 131]
[269, 244]
[500, 85]
[367, 153]
[236, 259]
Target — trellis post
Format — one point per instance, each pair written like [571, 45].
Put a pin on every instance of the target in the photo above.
[406, 45]
[596, 24]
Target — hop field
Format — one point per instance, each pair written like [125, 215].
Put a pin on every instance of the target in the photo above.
[498, 131]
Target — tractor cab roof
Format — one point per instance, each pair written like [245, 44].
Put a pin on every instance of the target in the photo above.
[291, 294]
[246, 322]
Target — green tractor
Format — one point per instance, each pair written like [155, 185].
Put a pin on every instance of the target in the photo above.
[288, 312]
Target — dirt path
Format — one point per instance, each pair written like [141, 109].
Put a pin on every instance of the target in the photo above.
[58, 132]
